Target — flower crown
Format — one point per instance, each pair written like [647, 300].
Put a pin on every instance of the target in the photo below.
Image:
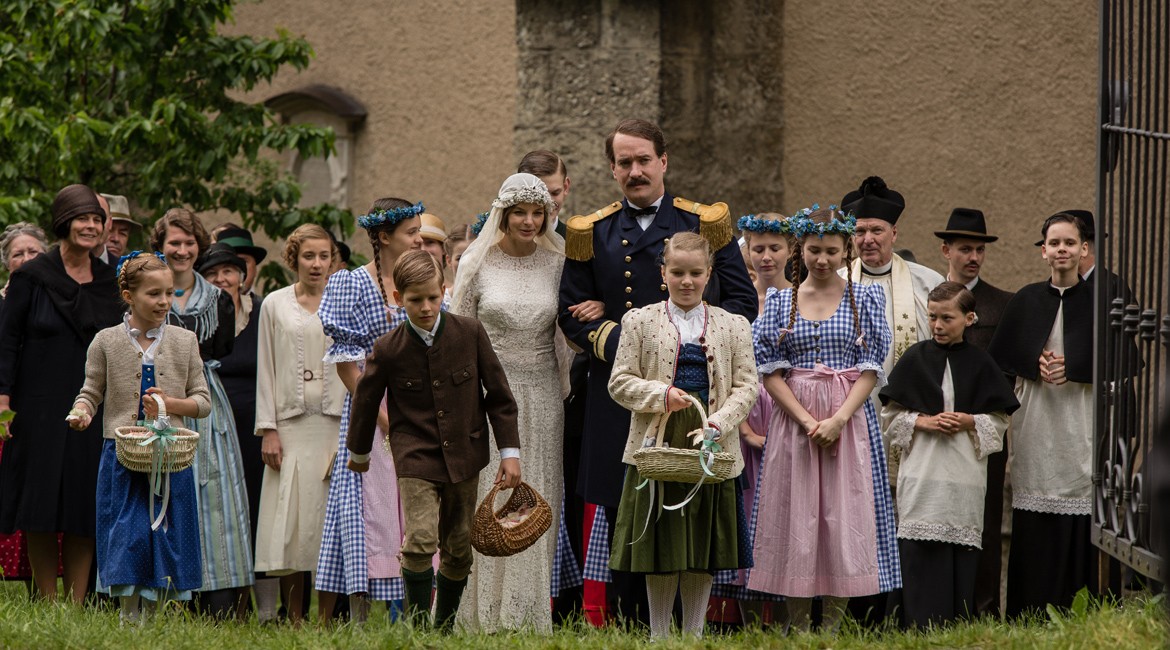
[752, 223]
[131, 255]
[480, 220]
[390, 217]
[802, 226]
[522, 195]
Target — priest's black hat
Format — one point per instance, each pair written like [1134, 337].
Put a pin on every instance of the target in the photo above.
[874, 200]
[1086, 218]
[966, 223]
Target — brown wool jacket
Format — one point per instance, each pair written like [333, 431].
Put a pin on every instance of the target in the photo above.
[439, 399]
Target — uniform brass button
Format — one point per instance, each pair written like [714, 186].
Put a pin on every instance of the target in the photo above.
[629, 304]
[436, 383]
[662, 287]
[440, 414]
[629, 290]
[628, 274]
[592, 337]
[625, 242]
[446, 443]
[666, 240]
[628, 260]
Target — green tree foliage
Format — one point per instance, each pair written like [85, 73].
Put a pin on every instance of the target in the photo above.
[135, 98]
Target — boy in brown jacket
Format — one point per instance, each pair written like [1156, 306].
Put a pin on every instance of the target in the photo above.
[442, 383]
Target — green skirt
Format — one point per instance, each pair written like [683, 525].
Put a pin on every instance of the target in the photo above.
[701, 536]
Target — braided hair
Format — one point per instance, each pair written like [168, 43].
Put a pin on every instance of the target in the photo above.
[132, 270]
[389, 203]
[796, 263]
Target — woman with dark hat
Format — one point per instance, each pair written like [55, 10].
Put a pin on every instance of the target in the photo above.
[225, 268]
[56, 303]
[207, 310]
[240, 239]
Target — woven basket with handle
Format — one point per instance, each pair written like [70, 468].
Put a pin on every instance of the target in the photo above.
[178, 450]
[493, 539]
[659, 463]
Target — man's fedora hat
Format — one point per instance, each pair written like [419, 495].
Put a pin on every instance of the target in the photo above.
[966, 223]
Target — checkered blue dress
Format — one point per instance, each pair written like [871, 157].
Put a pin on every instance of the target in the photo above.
[354, 316]
[833, 346]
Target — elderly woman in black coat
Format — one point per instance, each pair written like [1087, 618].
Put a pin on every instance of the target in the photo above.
[54, 306]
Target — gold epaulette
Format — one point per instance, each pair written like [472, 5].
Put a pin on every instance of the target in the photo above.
[579, 232]
[714, 221]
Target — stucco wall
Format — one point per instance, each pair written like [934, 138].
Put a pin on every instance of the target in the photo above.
[989, 105]
[438, 79]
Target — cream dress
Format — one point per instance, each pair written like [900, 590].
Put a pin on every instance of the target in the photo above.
[301, 397]
[516, 300]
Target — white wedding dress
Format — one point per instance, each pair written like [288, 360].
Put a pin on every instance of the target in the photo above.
[516, 300]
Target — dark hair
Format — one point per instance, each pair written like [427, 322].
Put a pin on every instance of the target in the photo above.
[415, 268]
[542, 162]
[455, 235]
[1064, 217]
[796, 264]
[184, 220]
[637, 128]
[508, 210]
[388, 203]
[292, 245]
[130, 275]
[953, 290]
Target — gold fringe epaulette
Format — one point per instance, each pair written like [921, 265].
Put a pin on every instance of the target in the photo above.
[714, 221]
[579, 232]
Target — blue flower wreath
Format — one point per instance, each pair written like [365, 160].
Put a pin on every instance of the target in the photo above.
[390, 217]
[480, 220]
[752, 223]
[802, 226]
[131, 255]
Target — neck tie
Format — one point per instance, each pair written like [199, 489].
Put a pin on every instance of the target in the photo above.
[642, 212]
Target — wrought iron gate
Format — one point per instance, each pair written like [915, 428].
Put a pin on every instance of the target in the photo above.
[1133, 323]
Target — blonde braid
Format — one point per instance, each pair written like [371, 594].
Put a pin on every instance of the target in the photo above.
[849, 289]
[795, 261]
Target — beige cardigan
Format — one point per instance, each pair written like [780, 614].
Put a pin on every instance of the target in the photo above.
[644, 367]
[292, 339]
[113, 374]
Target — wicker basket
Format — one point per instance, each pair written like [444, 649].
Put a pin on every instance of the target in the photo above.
[660, 463]
[178, 454]
[493, 539]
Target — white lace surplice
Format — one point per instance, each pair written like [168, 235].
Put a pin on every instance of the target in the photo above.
[943, 478]
[516, 300]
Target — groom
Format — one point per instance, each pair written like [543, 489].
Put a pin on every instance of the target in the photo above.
[613, 255]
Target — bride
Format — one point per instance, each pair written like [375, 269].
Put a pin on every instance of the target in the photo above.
[508, 279]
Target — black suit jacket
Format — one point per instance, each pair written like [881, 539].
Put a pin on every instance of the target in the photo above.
[990, 301]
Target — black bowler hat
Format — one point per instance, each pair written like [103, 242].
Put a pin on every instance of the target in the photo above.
[874, 200]
[241, 241]
[1086, 218]
[221, 253]
[966, 223]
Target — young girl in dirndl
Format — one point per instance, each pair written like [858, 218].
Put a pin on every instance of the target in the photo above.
[824, 520]
[668, 351]
[126, 364]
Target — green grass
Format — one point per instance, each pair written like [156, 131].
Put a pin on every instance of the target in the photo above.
[1137, 623]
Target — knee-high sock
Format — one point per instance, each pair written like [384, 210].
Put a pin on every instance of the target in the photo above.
[660, 591]
[267, 592]
[696, 593]
[799, 613]
[833, 611]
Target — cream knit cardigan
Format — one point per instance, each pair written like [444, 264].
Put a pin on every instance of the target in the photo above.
[113, 374]
[644, 368]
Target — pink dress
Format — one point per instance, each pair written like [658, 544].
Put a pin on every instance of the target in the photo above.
[824, 520]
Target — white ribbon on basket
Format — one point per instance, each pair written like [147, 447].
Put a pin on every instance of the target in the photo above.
[160, 476]
[708, 447]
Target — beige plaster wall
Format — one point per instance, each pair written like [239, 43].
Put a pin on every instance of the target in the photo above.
[438, 79]
[983, 104]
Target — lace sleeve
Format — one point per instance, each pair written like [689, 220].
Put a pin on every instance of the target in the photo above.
[988, 434]
[898, 428]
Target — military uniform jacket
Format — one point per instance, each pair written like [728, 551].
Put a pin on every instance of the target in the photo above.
[439, 399]
[990, 301]
[624, 273]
